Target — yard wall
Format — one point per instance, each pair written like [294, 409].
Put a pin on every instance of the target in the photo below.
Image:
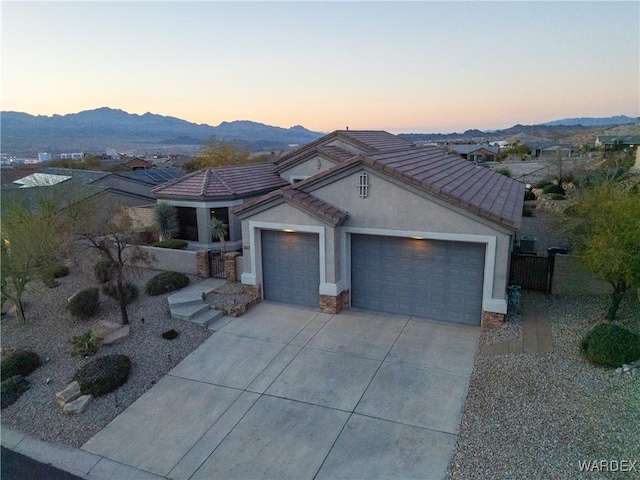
[170, 260]
[570, 278]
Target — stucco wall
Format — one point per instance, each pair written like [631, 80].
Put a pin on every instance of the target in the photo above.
[570, 278]
[307, 168]
[170, 260]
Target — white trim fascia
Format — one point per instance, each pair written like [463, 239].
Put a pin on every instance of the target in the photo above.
[257, 225]
[201, 204]
[332, 289]
[249, 279]
[489, 303]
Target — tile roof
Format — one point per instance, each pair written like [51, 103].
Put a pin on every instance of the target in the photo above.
[481, 190]
[376, 141]
[466, 149]
[84, 176]
[224, 182]
[325, 211]
[336, 153]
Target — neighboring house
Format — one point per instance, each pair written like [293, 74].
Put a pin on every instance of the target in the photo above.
[617, 143]
[476, 153]
[208, 193]
[371, 221]
[138, 164]
[550, 149]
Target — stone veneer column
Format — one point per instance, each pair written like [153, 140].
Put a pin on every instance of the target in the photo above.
[230, 266]
[202, 263]
[333, 305]
[491, 320]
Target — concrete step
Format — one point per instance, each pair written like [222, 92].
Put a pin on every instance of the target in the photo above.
[204, 319]
[184, 301]
[189, 312]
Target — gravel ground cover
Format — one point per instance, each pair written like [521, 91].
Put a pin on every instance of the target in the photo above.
[536, 416]
[48, 331]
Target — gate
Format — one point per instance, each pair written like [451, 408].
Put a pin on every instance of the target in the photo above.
[216, 265]
[531, 272]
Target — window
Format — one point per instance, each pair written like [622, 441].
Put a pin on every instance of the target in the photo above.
[221, 214]
[187, 224]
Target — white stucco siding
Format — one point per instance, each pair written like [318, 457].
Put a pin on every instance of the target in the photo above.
[392, 207]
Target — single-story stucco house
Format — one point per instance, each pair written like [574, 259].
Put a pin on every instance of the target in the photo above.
[476, 152]
[371, 221]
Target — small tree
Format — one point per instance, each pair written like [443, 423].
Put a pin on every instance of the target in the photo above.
[219, 153]
[114, 242]
[31, 245]
[166, 218]
[218, 229]
[604, 228]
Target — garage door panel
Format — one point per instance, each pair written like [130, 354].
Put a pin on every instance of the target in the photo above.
[429, 278]
[291, 267]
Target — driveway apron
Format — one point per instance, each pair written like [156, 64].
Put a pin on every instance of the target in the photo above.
[287, 392]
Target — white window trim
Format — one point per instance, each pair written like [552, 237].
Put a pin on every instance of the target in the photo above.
[489, 304]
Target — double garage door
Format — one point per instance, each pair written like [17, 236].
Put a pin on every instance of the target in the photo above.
[434, 279]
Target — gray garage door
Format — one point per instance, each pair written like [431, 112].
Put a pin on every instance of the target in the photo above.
[427, 278]
[291, 267]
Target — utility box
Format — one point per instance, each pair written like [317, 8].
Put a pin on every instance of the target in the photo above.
[527, 245]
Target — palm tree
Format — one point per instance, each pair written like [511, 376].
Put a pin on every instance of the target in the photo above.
[166, 218]
[218, 229]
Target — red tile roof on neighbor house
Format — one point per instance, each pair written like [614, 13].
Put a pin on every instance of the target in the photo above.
[224, 182]
[446, 176]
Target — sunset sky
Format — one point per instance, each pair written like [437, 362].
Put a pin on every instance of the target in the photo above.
[399, 66]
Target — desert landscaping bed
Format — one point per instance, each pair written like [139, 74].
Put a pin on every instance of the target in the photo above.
[536, 416]
[48, 331]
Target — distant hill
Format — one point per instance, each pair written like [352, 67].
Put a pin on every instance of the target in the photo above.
[594, 122]
[102, 128]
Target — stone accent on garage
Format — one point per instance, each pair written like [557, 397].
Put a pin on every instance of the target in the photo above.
[491, 320]
[334, 304]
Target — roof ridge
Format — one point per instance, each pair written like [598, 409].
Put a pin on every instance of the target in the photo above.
[205, 182]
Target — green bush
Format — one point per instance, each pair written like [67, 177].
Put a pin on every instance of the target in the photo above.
[610, 345]
[542, 184]
[527, 211]
[166, 282]
[84, 304]
[529, 195]
[172, 243]
[11, 390]
[130, 291]
[85, 345]
[170, 334]
[504, 171]
[59, 271]
[20, 362]
[553, 188]
[103, 375]
[103, 270]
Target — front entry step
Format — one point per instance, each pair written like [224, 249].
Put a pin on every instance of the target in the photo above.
[188, 305]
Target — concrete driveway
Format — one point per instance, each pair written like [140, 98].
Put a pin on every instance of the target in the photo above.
[285, 392]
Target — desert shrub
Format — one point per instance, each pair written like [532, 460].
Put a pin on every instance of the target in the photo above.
[166, 282]
[542, 184]
[84, 345]
[103, 270]
[504, 171]
[59, 271]
[130, 291]
[553, 188]
[527, 211]
[49, 281]
[170, 334]
[172, 243]
[103, 375]
[529, 195]
[20, 362]
[557, 196]
[84, 304]
[610, 345]
[11, 389]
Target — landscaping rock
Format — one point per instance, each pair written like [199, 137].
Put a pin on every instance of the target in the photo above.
[104, 328]
[78, 405]
[117, 336]
[69, 394]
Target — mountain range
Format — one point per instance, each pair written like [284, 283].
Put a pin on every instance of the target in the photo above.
[96, 130]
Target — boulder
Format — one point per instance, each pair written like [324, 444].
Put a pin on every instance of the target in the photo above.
[78, 405]
[104, 328]
[69, 394]
[117, 336]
